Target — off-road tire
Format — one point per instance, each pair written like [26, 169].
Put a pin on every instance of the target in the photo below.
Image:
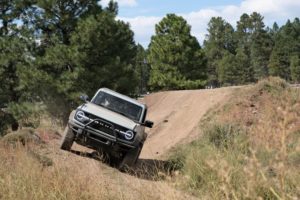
[130, 159]
[68, 139]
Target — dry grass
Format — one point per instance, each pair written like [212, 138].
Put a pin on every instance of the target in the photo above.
[250, 148]
[24, 174]
[32, 167]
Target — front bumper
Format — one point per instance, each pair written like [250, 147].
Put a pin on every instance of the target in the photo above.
[86, 135]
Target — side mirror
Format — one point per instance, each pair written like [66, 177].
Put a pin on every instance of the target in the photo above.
[148, 124]
[84, 97]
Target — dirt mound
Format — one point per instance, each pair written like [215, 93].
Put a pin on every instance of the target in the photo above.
[264, 110]
[176, 116]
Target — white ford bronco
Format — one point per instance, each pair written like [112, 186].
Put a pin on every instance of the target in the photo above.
[110, 122]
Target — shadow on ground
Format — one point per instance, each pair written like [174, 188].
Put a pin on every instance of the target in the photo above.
[152, 169]
[148, 169]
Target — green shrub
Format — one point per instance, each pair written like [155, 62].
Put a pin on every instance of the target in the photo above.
[226, 136]
[272, 85]
[5, 121]
[3, 127]
[26, 113]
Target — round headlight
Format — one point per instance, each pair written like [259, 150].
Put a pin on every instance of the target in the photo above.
[129, 135]
[80, 116]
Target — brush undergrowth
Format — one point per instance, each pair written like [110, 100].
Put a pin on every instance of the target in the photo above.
[249, 148]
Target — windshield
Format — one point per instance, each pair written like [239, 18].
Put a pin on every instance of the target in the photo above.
[118, 105]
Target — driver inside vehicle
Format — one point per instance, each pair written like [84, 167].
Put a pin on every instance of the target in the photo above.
[105, 102]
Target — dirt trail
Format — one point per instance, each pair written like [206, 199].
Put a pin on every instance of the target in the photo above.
[176, 116]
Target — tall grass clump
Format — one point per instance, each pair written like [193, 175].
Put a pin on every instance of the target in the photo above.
[212, 165]
[249, 147]
[24, 176]
[273, 85]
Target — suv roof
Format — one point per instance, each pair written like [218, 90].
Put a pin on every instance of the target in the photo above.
[121, 96]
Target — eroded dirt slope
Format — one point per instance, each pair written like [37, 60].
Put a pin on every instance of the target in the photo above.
[176, 116]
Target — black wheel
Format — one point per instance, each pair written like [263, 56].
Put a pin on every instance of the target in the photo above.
[130, 158]
[68, 139]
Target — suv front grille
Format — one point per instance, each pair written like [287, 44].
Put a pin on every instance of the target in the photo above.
[101, 125]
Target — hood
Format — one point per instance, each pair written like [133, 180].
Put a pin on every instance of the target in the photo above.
[108, 115]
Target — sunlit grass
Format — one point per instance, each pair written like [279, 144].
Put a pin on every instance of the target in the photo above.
[249, 148]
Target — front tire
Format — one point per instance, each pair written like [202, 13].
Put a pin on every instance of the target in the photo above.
[130, 158]
[68, 139]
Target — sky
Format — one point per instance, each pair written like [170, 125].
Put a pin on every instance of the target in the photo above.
[142, 15]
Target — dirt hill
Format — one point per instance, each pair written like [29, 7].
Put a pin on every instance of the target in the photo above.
[176, 116]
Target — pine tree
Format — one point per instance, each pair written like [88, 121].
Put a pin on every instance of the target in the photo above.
[243, 63]
[219, 40]
[142, 69]
[16, 43]
[82, 47]
[57, 19]
[176, 58]
[256, 43]
[278, 65]
[243, 36]
[106, 52]
[225, 69]
[56, 67]
[286, 45]
[295, 69]
[273, 31]
[260, 47]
